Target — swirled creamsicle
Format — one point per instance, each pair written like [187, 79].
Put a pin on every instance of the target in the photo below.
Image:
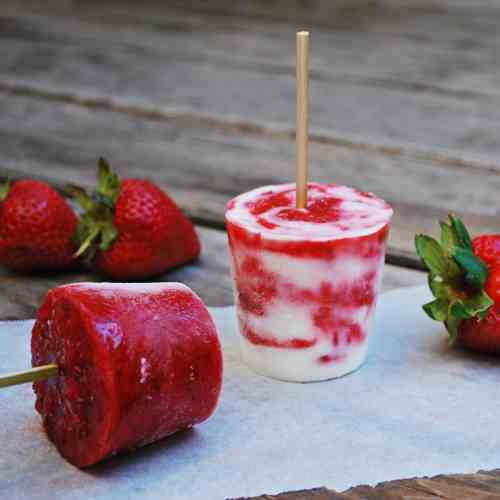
[306, 280]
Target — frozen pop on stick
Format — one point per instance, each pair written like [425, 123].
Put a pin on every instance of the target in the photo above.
[306, 280]
[135, 363]
[307, 262]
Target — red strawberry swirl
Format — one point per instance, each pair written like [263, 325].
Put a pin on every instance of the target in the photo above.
[306, 280]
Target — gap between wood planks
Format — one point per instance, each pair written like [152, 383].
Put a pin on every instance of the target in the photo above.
[279, 67]
[444, 158]
[444, 64]
[395, 256]
[259, 8]
[275, 11]
[124, 31]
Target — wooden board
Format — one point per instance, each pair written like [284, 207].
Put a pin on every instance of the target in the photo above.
[203, 166]
[415, 78]
[481, 486]
[20, 295]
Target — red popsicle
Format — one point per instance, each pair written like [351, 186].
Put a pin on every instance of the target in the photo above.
[137, 362]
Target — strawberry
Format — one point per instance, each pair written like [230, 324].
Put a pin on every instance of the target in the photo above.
[492, 286]
[131, 229]
[464, 277]
[36, 227]
[482, 335]
[487, 248]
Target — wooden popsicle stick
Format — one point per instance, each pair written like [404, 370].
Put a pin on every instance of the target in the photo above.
[33, 375]
[301, 134]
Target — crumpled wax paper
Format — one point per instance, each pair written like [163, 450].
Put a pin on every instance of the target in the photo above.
[417, 407]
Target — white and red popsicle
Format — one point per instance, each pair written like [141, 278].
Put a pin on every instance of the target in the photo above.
[137, 362]
[306, 280]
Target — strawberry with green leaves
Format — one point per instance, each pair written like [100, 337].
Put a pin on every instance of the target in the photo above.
[464, 277]
[131, 229]
[36, 227]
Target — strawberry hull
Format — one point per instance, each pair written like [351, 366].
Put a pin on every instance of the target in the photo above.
[306, 281]
[137, 362]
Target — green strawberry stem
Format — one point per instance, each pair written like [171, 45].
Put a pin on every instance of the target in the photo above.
[96, 230]
[4, 190]
[88, 242]
[456, 276]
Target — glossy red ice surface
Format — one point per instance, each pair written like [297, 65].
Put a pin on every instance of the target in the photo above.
[137, 363]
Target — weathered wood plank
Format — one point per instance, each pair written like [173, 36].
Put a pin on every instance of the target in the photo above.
[383, 75]
[317, 13]
[203, 166]
[21, 294]
[314, 11]
[481, 486]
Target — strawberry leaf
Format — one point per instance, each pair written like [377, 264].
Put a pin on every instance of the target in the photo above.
[478, 304]
[459, 311]
[452, 325]
[80, 195]
[104, 200]
[437, 309]
[108, 234]
[108, 184]
[474, 270]
[449, 238]
[456, 277]
[96, 230]
[87, 235]
[432, 255]
[438, 287]
[461, 233]
[4, 190]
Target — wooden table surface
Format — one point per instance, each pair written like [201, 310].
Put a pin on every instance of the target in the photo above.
[198, 95]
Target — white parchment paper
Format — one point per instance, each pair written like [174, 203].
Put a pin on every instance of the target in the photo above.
[416, 408]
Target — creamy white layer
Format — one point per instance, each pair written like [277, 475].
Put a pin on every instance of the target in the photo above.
[300, 365]
[282, 321]
[361, 213]
[309, 273]
[285, 320]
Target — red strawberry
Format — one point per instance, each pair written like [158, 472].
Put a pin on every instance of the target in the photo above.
[487, 248]
[36, 227]
[492, 286]
[484, 335]
[131, 229]
[464, 277]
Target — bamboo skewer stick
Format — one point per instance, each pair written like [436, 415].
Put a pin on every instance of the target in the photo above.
[301, 134]
[33, 375]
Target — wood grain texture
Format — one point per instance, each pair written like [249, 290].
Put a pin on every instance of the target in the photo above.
[21, 294]
[411, 78]
[481, 486]
[203, 166]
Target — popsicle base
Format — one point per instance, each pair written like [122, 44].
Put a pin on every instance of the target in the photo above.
[291, 365]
